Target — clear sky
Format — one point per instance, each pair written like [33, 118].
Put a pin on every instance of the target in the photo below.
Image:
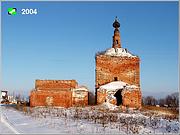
[60, 42]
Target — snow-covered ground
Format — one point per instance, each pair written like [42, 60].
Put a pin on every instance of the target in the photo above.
[93, 119]
[4, 129]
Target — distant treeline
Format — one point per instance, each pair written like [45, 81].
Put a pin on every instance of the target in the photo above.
[171, 100]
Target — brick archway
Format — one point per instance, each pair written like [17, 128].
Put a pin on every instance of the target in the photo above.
[118, 96]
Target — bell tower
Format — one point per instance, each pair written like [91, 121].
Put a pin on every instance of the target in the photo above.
[117, 65]
[116, 37]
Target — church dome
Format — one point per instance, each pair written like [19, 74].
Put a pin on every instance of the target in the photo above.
[116, 24]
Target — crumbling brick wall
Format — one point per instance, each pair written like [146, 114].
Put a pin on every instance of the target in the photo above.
[56, 93]
[49, 98]
[80, 96]
[55, 84]
[101, 97]
[130, 98]
[111, 68]
[52, 93]
[83, 101]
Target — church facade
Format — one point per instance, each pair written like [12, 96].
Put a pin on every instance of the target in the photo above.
[118, 74]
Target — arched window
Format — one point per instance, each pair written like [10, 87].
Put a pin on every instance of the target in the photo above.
[116, 41]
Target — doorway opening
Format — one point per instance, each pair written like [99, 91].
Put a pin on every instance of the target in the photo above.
[115, 79]
[118, 97]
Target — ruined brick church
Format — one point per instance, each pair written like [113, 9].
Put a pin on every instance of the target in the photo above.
[63, 93]
[118, 74]
[117, 81]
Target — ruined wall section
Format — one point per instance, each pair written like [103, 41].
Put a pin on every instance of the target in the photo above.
[80, 98]
[64, 93]
[48, 98]
[130, 98]
[55, 84]
[110, 68]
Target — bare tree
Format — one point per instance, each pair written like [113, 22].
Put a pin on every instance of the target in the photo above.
[172, 100]
[175, 99]
[161, 102]
[150, 100]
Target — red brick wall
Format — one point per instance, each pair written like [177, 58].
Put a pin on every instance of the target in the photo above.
[55, 84]
[55, 93]
[80, 101]
[60, 98]
[124, 68]
[132, 98]
[101, 97]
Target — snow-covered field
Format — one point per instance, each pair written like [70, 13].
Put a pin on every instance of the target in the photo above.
[105, 119]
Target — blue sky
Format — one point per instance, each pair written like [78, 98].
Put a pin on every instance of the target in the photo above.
[60, 42]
